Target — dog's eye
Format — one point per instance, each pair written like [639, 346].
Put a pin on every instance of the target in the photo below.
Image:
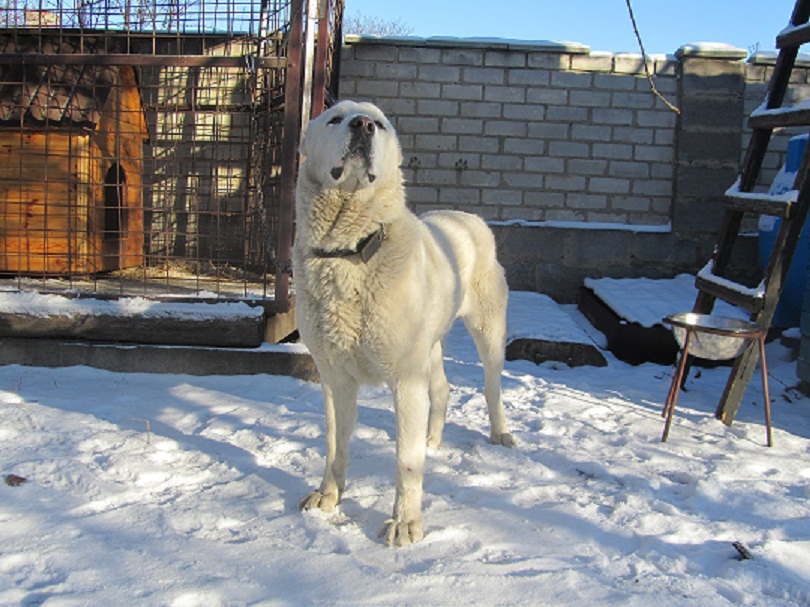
[380, 125]
[335, 120]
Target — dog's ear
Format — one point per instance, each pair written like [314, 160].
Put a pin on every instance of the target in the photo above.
[302, 144]
[397, 145]
[399, 157]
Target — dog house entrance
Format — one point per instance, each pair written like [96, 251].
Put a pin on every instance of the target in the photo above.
[115, 220]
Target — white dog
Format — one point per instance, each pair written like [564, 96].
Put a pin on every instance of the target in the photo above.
[377, 289]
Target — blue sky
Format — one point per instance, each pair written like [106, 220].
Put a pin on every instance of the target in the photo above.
[604, 25]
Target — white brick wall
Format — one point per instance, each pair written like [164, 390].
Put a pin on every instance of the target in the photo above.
[535, 131]
[526, 132]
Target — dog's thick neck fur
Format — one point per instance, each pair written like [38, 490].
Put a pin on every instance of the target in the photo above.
[338, 219]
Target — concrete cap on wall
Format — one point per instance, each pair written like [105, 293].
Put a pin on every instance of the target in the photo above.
[710, 50]
[548, 46]
[769, 58]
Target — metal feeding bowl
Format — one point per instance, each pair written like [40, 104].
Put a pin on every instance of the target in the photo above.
[713, 337]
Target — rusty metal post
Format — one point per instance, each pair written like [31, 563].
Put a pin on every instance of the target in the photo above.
[289, 157]
[319, 82]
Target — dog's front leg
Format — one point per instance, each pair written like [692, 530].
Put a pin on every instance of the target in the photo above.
[411, 403]
[340, 406]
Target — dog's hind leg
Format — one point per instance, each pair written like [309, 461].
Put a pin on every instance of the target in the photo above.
[340, 406]
[487, 324]
[439, 394]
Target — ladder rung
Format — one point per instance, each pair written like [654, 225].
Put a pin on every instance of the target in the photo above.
[761, 204]
[780, 117]
[750, 300]
[793, 35]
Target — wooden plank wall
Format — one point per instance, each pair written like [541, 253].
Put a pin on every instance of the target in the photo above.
[43, 202]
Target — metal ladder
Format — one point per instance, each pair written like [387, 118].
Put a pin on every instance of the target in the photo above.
[791, 207]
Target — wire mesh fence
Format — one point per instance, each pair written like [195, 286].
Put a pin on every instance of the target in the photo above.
[142, 144]
[231, 17]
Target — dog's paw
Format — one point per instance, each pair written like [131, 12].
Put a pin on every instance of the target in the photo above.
[322, 501]
[398, 533]
[504, 439]
[434, 443]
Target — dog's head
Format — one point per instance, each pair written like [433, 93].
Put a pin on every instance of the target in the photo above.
[352, 146]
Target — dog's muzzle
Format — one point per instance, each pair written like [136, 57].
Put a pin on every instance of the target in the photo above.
[362, 130]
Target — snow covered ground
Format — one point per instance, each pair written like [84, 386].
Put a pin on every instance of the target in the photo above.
[182, 491]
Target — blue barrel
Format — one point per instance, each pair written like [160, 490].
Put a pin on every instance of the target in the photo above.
[788, 311]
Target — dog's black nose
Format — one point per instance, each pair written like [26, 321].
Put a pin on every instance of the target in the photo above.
[362, 124]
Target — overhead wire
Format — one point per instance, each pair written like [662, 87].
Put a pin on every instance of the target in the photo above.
[655, 91]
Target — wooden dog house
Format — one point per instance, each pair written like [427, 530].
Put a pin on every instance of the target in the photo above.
[71, 156]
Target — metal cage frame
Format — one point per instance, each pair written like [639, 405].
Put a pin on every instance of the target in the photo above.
[223, 88]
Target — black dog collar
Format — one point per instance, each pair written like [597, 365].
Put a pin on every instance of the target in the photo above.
[366, 248]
